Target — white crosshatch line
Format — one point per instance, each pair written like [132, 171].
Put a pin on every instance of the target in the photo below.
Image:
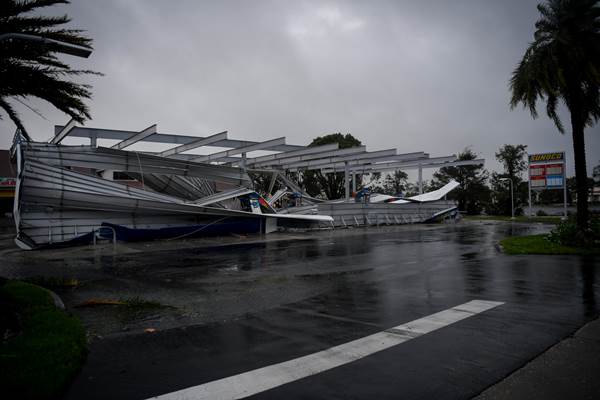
[269, 377]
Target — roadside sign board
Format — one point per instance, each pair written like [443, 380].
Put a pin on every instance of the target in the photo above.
[547, 157]
[7, 182]
[7, 186]
[548, 171]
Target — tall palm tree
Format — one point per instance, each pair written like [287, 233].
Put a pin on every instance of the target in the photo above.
[563, 64]
[31, 68]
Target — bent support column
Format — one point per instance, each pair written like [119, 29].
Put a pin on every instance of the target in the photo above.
[420, 178]
[347, 180]
[272, 183]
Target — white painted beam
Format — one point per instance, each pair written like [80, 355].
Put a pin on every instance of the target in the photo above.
[151, 130]
[228, 153]
[282, 163]
[64, 132]
[194, 145]
[358, 162]
[416, 162]
[167, 138]
[264, 160]
[381, 154]
[408, 165]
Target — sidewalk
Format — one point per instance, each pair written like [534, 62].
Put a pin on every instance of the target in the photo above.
[568, 370]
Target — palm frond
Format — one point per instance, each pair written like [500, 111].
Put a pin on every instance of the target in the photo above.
[33, 69]
[12, 114]
[13, 7]
[551, 105]
[562, 61]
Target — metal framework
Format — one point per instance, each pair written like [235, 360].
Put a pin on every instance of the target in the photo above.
[269, 144]
[193, 145]
[151, 130]
[357, 162]
[63, 132]
[165, 138]
[302, 152]
[389, 166]
[326, 158]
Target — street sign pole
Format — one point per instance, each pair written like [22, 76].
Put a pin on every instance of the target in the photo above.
[547, 171]
[565, 189]
[529, 187]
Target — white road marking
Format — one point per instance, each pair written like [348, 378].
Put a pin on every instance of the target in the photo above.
[262, 379]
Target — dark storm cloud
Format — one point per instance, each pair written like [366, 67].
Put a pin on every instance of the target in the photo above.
[416, 75]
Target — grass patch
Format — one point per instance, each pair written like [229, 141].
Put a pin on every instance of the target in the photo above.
[539, 244]
[49, 346]
[521, 218]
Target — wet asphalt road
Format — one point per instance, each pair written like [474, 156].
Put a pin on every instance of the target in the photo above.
[345, 286]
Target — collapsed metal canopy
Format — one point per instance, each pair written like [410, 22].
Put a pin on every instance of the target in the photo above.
[69, 193]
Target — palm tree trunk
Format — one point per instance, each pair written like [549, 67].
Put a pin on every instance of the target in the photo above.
[577, 125]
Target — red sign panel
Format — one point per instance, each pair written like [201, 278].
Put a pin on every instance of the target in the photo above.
[7, 183]
[547, 170]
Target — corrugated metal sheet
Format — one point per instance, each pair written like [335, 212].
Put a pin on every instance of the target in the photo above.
[56, 203]
[100, 158]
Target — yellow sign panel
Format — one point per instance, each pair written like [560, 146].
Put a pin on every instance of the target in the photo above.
[543, 157]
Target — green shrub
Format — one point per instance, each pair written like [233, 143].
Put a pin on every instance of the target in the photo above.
[567, 233]
[40, 361]
[541, 213]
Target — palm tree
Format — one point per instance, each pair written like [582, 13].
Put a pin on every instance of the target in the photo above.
[563, 64]
[31, 68]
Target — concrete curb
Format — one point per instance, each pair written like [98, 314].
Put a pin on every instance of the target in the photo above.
[58, 303]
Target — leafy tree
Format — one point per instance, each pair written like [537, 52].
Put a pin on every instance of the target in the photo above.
[395, 183]
[331, 186]
[562, 64]
[513, 159]
[472, 194]
[32, 69]
[375, 182]
[392, 184]
[412, 189]
[500, 201]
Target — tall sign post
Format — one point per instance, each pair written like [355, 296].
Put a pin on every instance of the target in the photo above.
[548, 171]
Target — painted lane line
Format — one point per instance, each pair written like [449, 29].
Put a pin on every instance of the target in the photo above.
[262, 379]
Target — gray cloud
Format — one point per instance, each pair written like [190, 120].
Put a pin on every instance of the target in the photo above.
[419, 75]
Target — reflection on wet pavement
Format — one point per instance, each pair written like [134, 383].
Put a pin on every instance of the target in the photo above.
[369, 266]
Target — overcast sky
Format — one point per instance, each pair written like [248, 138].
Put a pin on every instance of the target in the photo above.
[415, 75]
